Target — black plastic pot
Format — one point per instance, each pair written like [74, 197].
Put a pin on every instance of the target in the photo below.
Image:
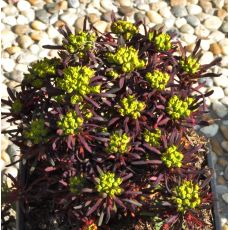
[20, 220]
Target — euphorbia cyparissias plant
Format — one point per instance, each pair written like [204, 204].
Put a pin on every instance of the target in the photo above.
[108, 105]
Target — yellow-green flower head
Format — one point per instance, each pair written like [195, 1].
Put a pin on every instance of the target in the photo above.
[70, 123]
[76, 184]
[127, 58]
[92, 227]
[36, 132]
[17, 106]
[109, 184]
[186, 196]
[158, 79]
[172, 157]
[177, 108]
[190, 66]
[82, 41]
[77, 80]
[118, 143]
[112, 74]
[131, 107]
[152, 138]
[162, 41]
[126, 29]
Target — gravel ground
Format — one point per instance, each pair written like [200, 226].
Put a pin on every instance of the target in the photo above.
[27, 25]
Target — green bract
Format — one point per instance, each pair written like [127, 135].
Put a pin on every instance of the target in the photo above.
[118, 143]
[158, 79]
[112, 74]
[162, 41]
[70, 123]
[76, 184]
[172, 157]
[186, 196]
[40, 70]
[36, 132]
[127, 57]
[126, 29]
[82, 41]
[109, 184]
[152, 138]
[177, 108]
[190, 65]
[77, 80]
[17, 106]
[131, 107]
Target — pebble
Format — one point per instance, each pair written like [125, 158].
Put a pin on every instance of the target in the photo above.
[106, 17]
[206, 58]
[42, 15]
[21, 29]
[165, 12]
[100, 26]
[8, 64]
[224, 45]
[53, 32]
[37, 25]
[205, 45]
[5, 157]
[221, 13]
[13, 49]
[221, 81]
[126, 10]
[224, 145]
[193, 20]
[212, 23]
[143, 7]
[218, 93]
[23, 5]
[79, 23]
[26, 58]
[224, 101]
[214, 158]
[219, 3]
[154, 17]
[10, 20]
[225, 197]
[224, 27]
[53, 18]
[188, 38]
[21, 67]
[169, 22]
[207, 6]
[187, 29]
[179, 11]
[194, 9]
[29, 14]
[178, 2]
[4, 142]
[16, 75]
[22, 20]
[10, 10]
[222, 162]
[180, 22]
[24, 41]
[224, 130]
[125, 2]
[210, 131]
[220, 109]
[226, 173]
[108, 5]
[38, 35]
[34, 49]
[221, 180]
[221, 189]
[201, 31]
[69, 18]
[73, 3]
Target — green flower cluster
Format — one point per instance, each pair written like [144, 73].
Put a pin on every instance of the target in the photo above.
[112, 74]
[118, 143]
[152, 138]
[172, 157]
[80, 42]
[109, 184]
[158, 79]
[186, 196]
[77, 80]
[40, 69]
[127, 57]
[76, 184]
[126, 29]
[162, 41]
[190, 66]
[36, 132]
[131, 107]
[17, 106]
[91, 227]
[177, 108]
[70, 123]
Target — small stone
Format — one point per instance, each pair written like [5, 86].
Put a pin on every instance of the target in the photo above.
[207, 6]
[24, 41]
[205, 45]
[22, 20]
[10, 10]
[213, 23]
[60, 23]
[23, 5]
[221, 180]
[13, 49]
[5, 157]
[29, 14]
[220, 109]
[79, 24]
[69, 18]
[224, 130]
[216, 36]
[206, 58]
[143, 7]
[169, 22]
[193, 20]
[125, 2]
[9, 20]
[165, 12]
[222, 162]
[221, 13]
[194, 9]
[210, 131]
[4, 142]
[224, 145]
[108, 5]
[37, 35]
[187, 29]
[216, 49]
[226, 173]
[34, 2]
[221, 81]
[34, 49]
[188, 38]
[53, 32]
[100, 26]
[225, 198]
[221, 189]
[95, 18]
[21, 67]
[214, 158]
[8, 64]
[224, 27]
[178, 2]
[193, 1]
[180, 22]
[26, 58]
[126, 10]
[16, 76]
[73, 3]
[218, 93]
[226, 91]
[42, 15]
[179, 11]
[224, 45]
[224, 101]
[21, 29]
[201, 31]
[53, 18]
[219, 3]
[225, 227]
[37, 25]
[154, 17]
[139, 16]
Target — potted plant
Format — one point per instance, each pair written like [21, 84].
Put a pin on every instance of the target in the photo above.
[106, 133]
